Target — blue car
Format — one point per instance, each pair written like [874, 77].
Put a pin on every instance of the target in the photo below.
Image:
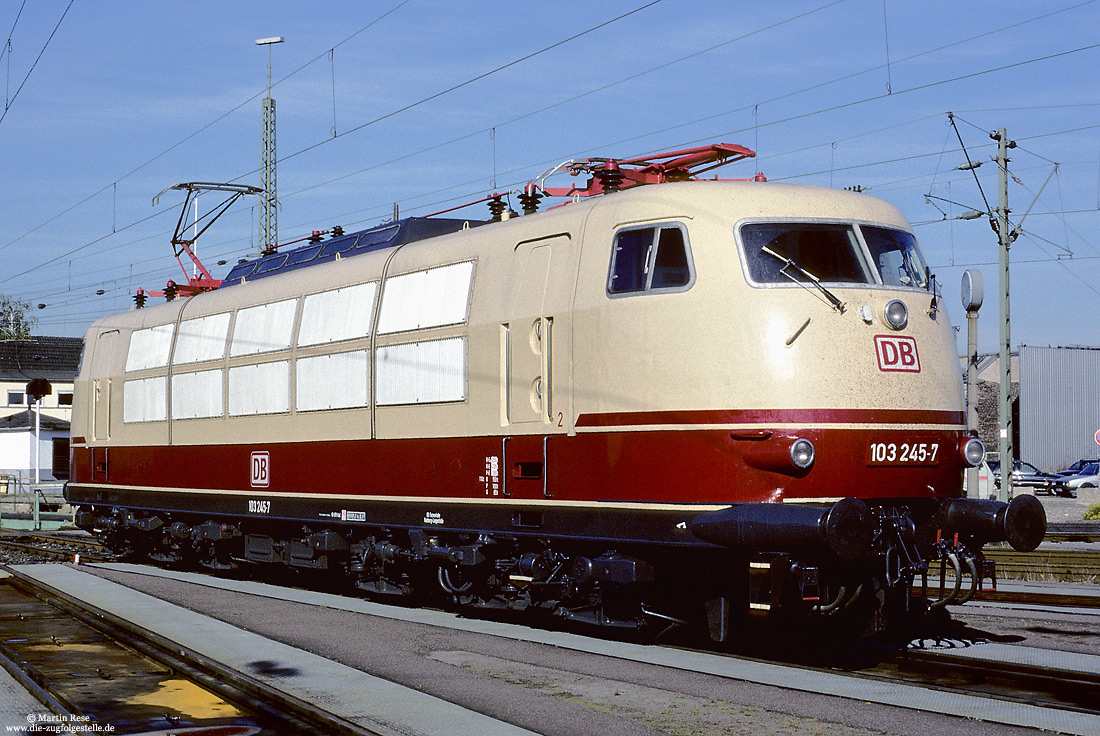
[1089, 477]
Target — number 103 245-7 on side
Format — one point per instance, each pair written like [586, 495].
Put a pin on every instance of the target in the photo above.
[903, 453]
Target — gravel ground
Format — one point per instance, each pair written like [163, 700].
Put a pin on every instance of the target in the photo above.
[549, 690]
[1061, 509]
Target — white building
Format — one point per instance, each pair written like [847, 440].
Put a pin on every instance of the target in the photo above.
[17, 446]
[57, 360]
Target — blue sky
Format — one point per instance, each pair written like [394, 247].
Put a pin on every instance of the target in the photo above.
[128, 98]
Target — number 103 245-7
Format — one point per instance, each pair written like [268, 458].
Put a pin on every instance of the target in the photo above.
[903, 453]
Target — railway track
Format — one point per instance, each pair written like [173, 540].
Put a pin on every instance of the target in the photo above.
[959, 666]
[1004, 678]
[1045, 563]
[51, 547]
[1074, 531]
[92, 667]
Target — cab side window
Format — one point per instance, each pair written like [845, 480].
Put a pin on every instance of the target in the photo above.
[650, 259]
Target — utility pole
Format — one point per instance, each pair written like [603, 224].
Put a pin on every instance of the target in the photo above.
[1000, 225]
[269, 225]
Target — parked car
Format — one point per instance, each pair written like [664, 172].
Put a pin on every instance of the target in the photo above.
[1078, 467]
[1089, 477]
[1027, 475]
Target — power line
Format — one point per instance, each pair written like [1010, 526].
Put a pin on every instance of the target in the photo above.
[209, 125]
[1007, 66]
[352, 130]
[459, 86]
[7, 50]
[359, 127]
[574, 98]
[9, 103]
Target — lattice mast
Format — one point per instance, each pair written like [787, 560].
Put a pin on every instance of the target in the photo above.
[269, 211]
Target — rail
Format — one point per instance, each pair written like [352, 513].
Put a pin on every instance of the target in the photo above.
[1073, 531]
[1068, 565]
[265, 702]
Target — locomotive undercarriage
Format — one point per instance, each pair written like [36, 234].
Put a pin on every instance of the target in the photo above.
[864, 566]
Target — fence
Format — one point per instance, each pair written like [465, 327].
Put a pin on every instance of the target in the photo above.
[25, 504]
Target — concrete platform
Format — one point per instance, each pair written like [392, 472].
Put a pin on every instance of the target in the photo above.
[355, 696]
[18, 708]
[764, 673]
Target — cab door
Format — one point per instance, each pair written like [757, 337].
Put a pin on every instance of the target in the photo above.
[103, 356]
[99, 400]
[538, 308]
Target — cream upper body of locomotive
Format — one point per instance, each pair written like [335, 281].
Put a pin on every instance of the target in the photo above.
[518, 327]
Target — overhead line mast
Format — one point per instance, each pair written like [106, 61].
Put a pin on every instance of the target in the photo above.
[269, 211]
[1005, 236]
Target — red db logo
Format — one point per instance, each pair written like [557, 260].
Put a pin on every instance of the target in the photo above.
[261, 469]
[897, 353]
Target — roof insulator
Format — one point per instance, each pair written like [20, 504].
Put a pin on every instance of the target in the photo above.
[611, 178]
[529, 200]
[496, 207]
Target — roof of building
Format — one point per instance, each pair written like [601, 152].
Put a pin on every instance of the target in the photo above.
[52, 358]
[25, 420]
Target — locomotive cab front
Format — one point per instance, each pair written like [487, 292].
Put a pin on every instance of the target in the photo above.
[801, 381]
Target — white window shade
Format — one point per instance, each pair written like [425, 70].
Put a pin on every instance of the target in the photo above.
[259, 389]
[149, 348]
[422, 299]
[341, 314]
[264, 328]
[145, 400]
[421, 372]
[197, 395]
[201, 339]
[336, 381]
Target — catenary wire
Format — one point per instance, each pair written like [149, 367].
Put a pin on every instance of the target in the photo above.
[9, 103]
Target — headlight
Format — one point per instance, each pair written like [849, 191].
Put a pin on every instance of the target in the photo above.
[802, 454]
[896, 314]
[973, 452]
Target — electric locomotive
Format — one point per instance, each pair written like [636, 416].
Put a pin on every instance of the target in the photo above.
[683, 402]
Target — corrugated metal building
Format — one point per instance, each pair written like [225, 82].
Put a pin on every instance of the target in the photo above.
[1059, 405]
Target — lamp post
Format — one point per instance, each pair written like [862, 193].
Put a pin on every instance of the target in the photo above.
[269, 227]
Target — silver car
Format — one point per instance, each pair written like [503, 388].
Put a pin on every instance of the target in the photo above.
[1089, 477]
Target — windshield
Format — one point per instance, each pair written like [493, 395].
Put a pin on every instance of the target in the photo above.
[896, 255]
[832, 253]
[826, 252]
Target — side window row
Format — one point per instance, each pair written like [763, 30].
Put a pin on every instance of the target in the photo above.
[650, 259]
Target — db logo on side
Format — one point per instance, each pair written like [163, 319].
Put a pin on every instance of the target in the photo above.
[261, 469]
[897, 353]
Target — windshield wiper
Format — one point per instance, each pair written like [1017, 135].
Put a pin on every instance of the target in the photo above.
[788, 263]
